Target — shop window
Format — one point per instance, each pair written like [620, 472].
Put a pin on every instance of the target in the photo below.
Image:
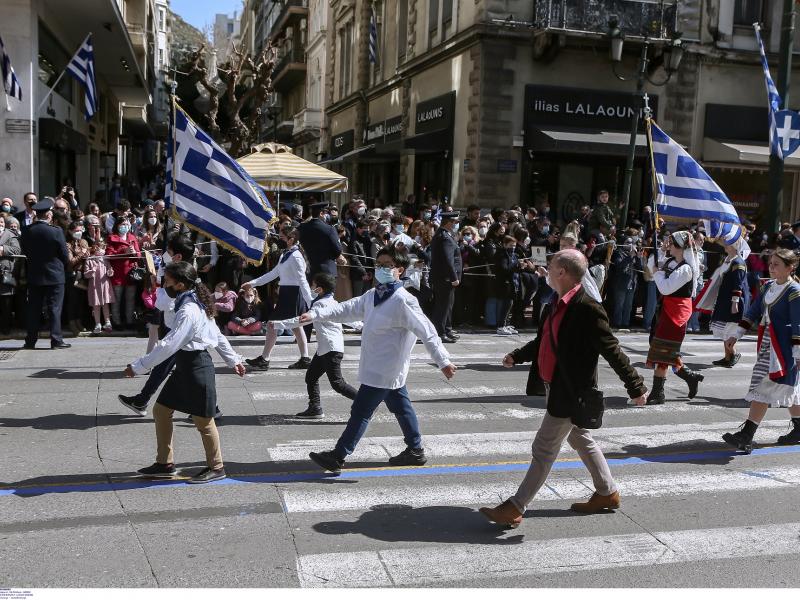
[53, 59]
[433, 20]
[402, 29]
[345, 60]
[447, 14]
[162, 19]
[747, 12]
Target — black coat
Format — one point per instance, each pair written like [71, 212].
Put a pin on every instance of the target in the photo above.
[46, 252]
[583, 337]
[20, 216]
[445, 258]
[321, 244]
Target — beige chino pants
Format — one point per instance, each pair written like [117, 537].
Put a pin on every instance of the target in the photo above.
[208, 433]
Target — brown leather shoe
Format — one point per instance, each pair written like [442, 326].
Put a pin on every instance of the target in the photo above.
[504, 514]
[597, 503]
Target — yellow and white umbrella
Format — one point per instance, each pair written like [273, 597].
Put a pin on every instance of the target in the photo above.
[276, 169]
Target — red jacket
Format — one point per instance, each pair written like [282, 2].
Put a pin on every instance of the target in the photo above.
[119, 245]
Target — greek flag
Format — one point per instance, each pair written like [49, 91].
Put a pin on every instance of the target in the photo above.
[373, 37]
[727, 233]
[213, 194]
[10, 82]
[685, 191]
[81, 67]
[784, 125]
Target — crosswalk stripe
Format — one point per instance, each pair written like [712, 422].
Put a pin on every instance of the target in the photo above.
[494, 492]
[453, 562]
[516, 443]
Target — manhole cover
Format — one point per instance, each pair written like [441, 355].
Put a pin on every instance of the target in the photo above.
[7, 354]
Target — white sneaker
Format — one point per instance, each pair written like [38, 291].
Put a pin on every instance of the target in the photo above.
[512, 330]
[97, 329]
[503, 331]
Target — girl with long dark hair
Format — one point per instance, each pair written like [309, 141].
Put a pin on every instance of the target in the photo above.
[191, 388]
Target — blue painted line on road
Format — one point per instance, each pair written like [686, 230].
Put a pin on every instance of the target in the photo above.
[307, 476]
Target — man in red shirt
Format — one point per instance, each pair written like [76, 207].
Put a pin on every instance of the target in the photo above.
[573, 333]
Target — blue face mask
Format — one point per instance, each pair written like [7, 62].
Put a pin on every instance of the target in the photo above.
[124, 229]
[546, 229]
[399, 228]
[455, 227]
[5, 208]
[384, 275]
[426, 216]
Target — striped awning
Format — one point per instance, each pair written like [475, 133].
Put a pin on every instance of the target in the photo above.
[276, 169]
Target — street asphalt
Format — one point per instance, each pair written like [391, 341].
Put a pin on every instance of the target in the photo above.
[73, 513]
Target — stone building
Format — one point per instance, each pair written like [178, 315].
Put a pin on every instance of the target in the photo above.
[503, 102]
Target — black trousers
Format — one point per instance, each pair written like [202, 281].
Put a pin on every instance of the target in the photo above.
[39, 296]
[443, 297]
[330, 364]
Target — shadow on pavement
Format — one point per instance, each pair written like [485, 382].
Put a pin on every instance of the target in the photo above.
[439, 524]
[493, 367]
[692, 452]
[67, 374]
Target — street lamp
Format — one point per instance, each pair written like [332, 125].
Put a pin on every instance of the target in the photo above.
[671, 57]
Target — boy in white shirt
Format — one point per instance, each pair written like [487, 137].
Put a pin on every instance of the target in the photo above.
[330, 348]
[393, 321]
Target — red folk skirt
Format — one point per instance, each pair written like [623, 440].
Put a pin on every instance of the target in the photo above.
[669, 331]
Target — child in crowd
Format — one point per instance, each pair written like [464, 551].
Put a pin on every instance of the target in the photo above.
[393, 321]
[224, 302]
[191, 388]
[151, 313]
[100, 293]
[246, 317]
[330, 348]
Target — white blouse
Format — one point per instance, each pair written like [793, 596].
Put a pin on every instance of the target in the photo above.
[291, 271]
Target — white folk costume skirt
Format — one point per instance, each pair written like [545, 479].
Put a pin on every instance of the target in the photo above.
[723, 330]
[766, 391]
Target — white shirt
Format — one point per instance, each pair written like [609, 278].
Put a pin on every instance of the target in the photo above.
[193, 330]
[291, 271]
[390, 331]
[677, 279]
[329, 334]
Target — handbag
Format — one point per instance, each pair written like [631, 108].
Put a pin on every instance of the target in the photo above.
[6, 278]
[590, 406]
[80, 281]
[136, 274]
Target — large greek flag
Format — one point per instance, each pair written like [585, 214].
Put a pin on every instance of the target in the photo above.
[373, 37]
[10, 82]
[81, 67]
[213, 194]
[684, 190]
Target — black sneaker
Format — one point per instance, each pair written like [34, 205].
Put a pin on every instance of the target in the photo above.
[135, 403]
[303, 363]
[328, 461]
[207, 475]
[159, 471]
[258, 363]
[736, 358]
[312, 412]
[740, 441]
[409, 457]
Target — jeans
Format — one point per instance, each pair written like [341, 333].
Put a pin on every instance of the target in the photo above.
[490, 311]
[649, 310]
[623, 301]
[130, 298]
[502, 310]
[367, 400]
[330, 364]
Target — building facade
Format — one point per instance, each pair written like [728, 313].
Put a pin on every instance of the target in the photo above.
[503, 102]
[45, 147]
[227, 30]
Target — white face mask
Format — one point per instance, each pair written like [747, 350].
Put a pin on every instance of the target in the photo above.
[218, 295]
[166, 258]
[76, 235]
[249, 298]
[483, 231]
[361, 211]
[152, 221]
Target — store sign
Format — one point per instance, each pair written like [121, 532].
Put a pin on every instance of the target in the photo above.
[20, 126]
[435, 114]
[393, 129]
[581, 108]
[342, 143]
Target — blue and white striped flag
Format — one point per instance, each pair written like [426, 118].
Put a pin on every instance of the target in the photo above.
[373, 37]
[784, 125]
[81, 67]
[213, 193]
[10, 82]
[685, 191]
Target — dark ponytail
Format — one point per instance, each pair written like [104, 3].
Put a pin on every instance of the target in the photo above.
[186, 273]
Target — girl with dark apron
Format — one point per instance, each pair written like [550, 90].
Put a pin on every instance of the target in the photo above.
[294, 298]
[191, 388]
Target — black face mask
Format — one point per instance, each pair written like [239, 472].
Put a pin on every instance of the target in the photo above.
[172, 292]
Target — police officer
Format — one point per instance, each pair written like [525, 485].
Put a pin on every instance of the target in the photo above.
[446, 270]
[320, 242]
[46, 251]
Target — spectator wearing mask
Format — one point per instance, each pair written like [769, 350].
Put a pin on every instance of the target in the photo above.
[98, 272]
[27, 215]
[151, 231]
[78, 252]
[152, 316]
[625, 263]
[540, 232]
[320, 241]
[344, 289]
[123, 244]
[9, 246]
[491, 244]
[93, 209]
[246, 317]
[446, 272]
[507, 267]
[120, 212]
[93, 233]
[6, 206]
[468, 307]
[224, 301]
[357, 263]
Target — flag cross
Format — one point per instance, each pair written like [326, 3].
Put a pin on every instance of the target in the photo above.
[787, 133]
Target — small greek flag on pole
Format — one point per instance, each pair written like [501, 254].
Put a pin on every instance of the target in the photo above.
[10, 82]
[212, 193]
[373, 37]
[81, 67]
[784, 125]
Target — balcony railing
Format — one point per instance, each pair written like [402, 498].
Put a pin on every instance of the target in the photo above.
[642, 18]
[292, 63]
[138, 35]
[291, 9]
[309, 118]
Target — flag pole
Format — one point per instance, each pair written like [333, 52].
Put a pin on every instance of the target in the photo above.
[647, 121]
[50, 91]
